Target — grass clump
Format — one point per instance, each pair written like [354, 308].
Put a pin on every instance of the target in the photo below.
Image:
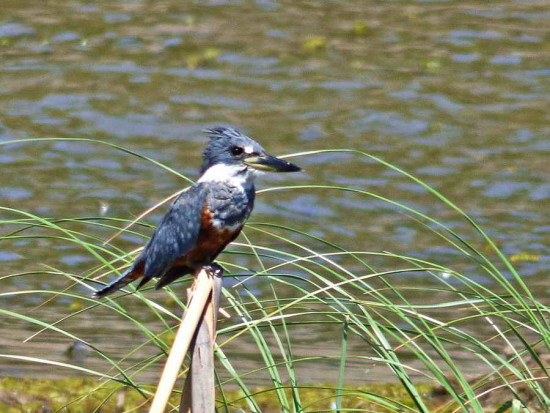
[85, 395]
[19, 395]
[367, 301]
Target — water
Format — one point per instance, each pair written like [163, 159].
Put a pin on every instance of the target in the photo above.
[456, 92]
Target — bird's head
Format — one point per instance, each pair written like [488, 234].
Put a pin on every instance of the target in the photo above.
[227, 146]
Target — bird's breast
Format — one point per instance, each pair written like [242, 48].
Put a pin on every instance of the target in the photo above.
[229, 206]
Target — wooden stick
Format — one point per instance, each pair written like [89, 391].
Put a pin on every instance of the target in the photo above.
[186, 331]
[199, 390]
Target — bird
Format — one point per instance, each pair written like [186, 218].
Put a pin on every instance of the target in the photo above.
[208, 215]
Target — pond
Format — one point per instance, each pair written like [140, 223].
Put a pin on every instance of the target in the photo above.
[454, 92]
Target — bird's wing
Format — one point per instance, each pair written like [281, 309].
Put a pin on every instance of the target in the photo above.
[177, 232]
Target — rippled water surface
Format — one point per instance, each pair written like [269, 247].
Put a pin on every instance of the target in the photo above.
[455, 92]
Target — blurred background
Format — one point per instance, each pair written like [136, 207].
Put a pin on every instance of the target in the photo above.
[455, 92]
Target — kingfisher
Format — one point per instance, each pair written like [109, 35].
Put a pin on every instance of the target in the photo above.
[207, 216]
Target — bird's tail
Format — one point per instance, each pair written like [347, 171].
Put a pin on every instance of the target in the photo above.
[133, 273]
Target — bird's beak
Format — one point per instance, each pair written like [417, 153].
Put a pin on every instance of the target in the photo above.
[271, 164]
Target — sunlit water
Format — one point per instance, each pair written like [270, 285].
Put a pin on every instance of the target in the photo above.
[455, 92]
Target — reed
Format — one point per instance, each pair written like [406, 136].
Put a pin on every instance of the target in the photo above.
[310, 284]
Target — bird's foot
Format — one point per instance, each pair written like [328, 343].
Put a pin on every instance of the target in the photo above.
[214, 270]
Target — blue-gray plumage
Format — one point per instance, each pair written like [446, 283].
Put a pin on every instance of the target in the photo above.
[206, 217]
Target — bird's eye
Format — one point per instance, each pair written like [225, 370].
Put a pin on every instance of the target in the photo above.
[236, 151]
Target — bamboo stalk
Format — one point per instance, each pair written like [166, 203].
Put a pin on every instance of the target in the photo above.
[186, 331]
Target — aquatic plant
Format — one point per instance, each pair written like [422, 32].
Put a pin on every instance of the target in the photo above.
[366, 298]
